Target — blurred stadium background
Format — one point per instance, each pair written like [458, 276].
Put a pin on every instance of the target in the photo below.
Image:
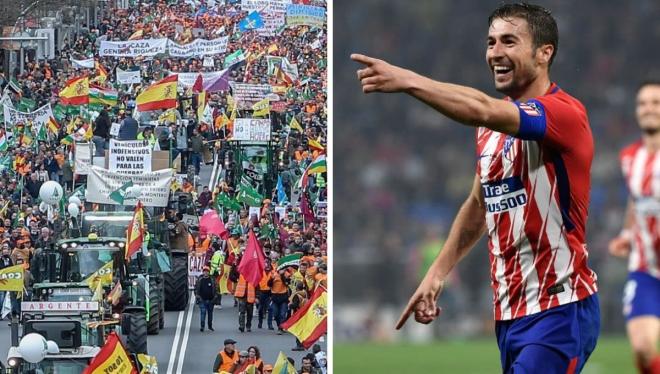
[402, 171]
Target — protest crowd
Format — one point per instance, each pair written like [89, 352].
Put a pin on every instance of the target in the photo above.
[230, 63]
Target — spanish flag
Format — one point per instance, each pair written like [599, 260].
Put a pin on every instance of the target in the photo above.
[53, 126]
[111, 358]
[160, 95]
[135, 235]
[115, 294]
[11, 278]
[309, 323]
[76, 91]
[101, 73]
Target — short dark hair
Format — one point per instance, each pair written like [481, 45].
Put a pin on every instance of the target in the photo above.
[649, 82]
[540, 21]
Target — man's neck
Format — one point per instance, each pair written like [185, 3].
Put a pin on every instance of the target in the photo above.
[538, 87]
[651, 140]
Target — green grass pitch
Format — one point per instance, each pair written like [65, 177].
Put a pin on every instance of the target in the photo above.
[612, 356]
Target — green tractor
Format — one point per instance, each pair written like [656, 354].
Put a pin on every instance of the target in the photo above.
[71, 327]
[60, 274]
[159, 264]
[167, 269]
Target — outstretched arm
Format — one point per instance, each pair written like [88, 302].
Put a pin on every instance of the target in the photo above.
[468, 227]
[460, 103]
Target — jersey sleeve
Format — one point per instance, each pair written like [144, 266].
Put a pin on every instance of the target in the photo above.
[553, 121]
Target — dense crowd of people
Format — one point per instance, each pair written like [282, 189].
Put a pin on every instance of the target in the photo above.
[411, 185]
[29, 161]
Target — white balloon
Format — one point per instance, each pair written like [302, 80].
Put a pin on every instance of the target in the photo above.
[75, 200]
[51, 192]
[43, 207]
[137, 190]
[33, 348]
[53, 348]
[73, 209]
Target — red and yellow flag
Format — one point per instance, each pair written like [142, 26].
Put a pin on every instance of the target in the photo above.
[201, 105]
[135, 235]
[309, 323]
[53, 126]
[160, 95]
[101, 73]
[115, 294]
[76, 91]
[112, 358]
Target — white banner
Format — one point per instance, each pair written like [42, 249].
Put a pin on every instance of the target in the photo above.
[87, 64]
[38, 118]
[133, 48]
[252, 129]
[155, 186]
[298, 14]
[273, 13]
[83, 157]
[249, 94]
[129, 157]
[198, 47]
[265, 6]
[188, 79]
[128, 77]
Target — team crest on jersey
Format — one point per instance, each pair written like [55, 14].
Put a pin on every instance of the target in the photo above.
[508, 143]
[530, 108]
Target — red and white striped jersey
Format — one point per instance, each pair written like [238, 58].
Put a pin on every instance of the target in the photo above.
[641, 168]
[536, 191]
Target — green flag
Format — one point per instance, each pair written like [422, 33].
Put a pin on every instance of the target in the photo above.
[120, 194]
[59, 112]
[289, 260]
[268, 231]
[5, 163]
[15, 86]
[41, 135]
[234, 57]
[79, 192]
[248, 195]
[222, 200]
[26, 105]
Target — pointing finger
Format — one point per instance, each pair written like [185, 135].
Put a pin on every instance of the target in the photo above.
[406, 313]
[363, 59]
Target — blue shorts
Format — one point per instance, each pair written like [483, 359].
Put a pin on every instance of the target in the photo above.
[641, 296]
[558, 340]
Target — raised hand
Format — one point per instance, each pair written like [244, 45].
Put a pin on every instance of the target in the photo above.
[380, 76]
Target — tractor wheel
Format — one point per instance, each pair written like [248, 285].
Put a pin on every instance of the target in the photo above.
[176, 285]
[154, 308]
[136, 339]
